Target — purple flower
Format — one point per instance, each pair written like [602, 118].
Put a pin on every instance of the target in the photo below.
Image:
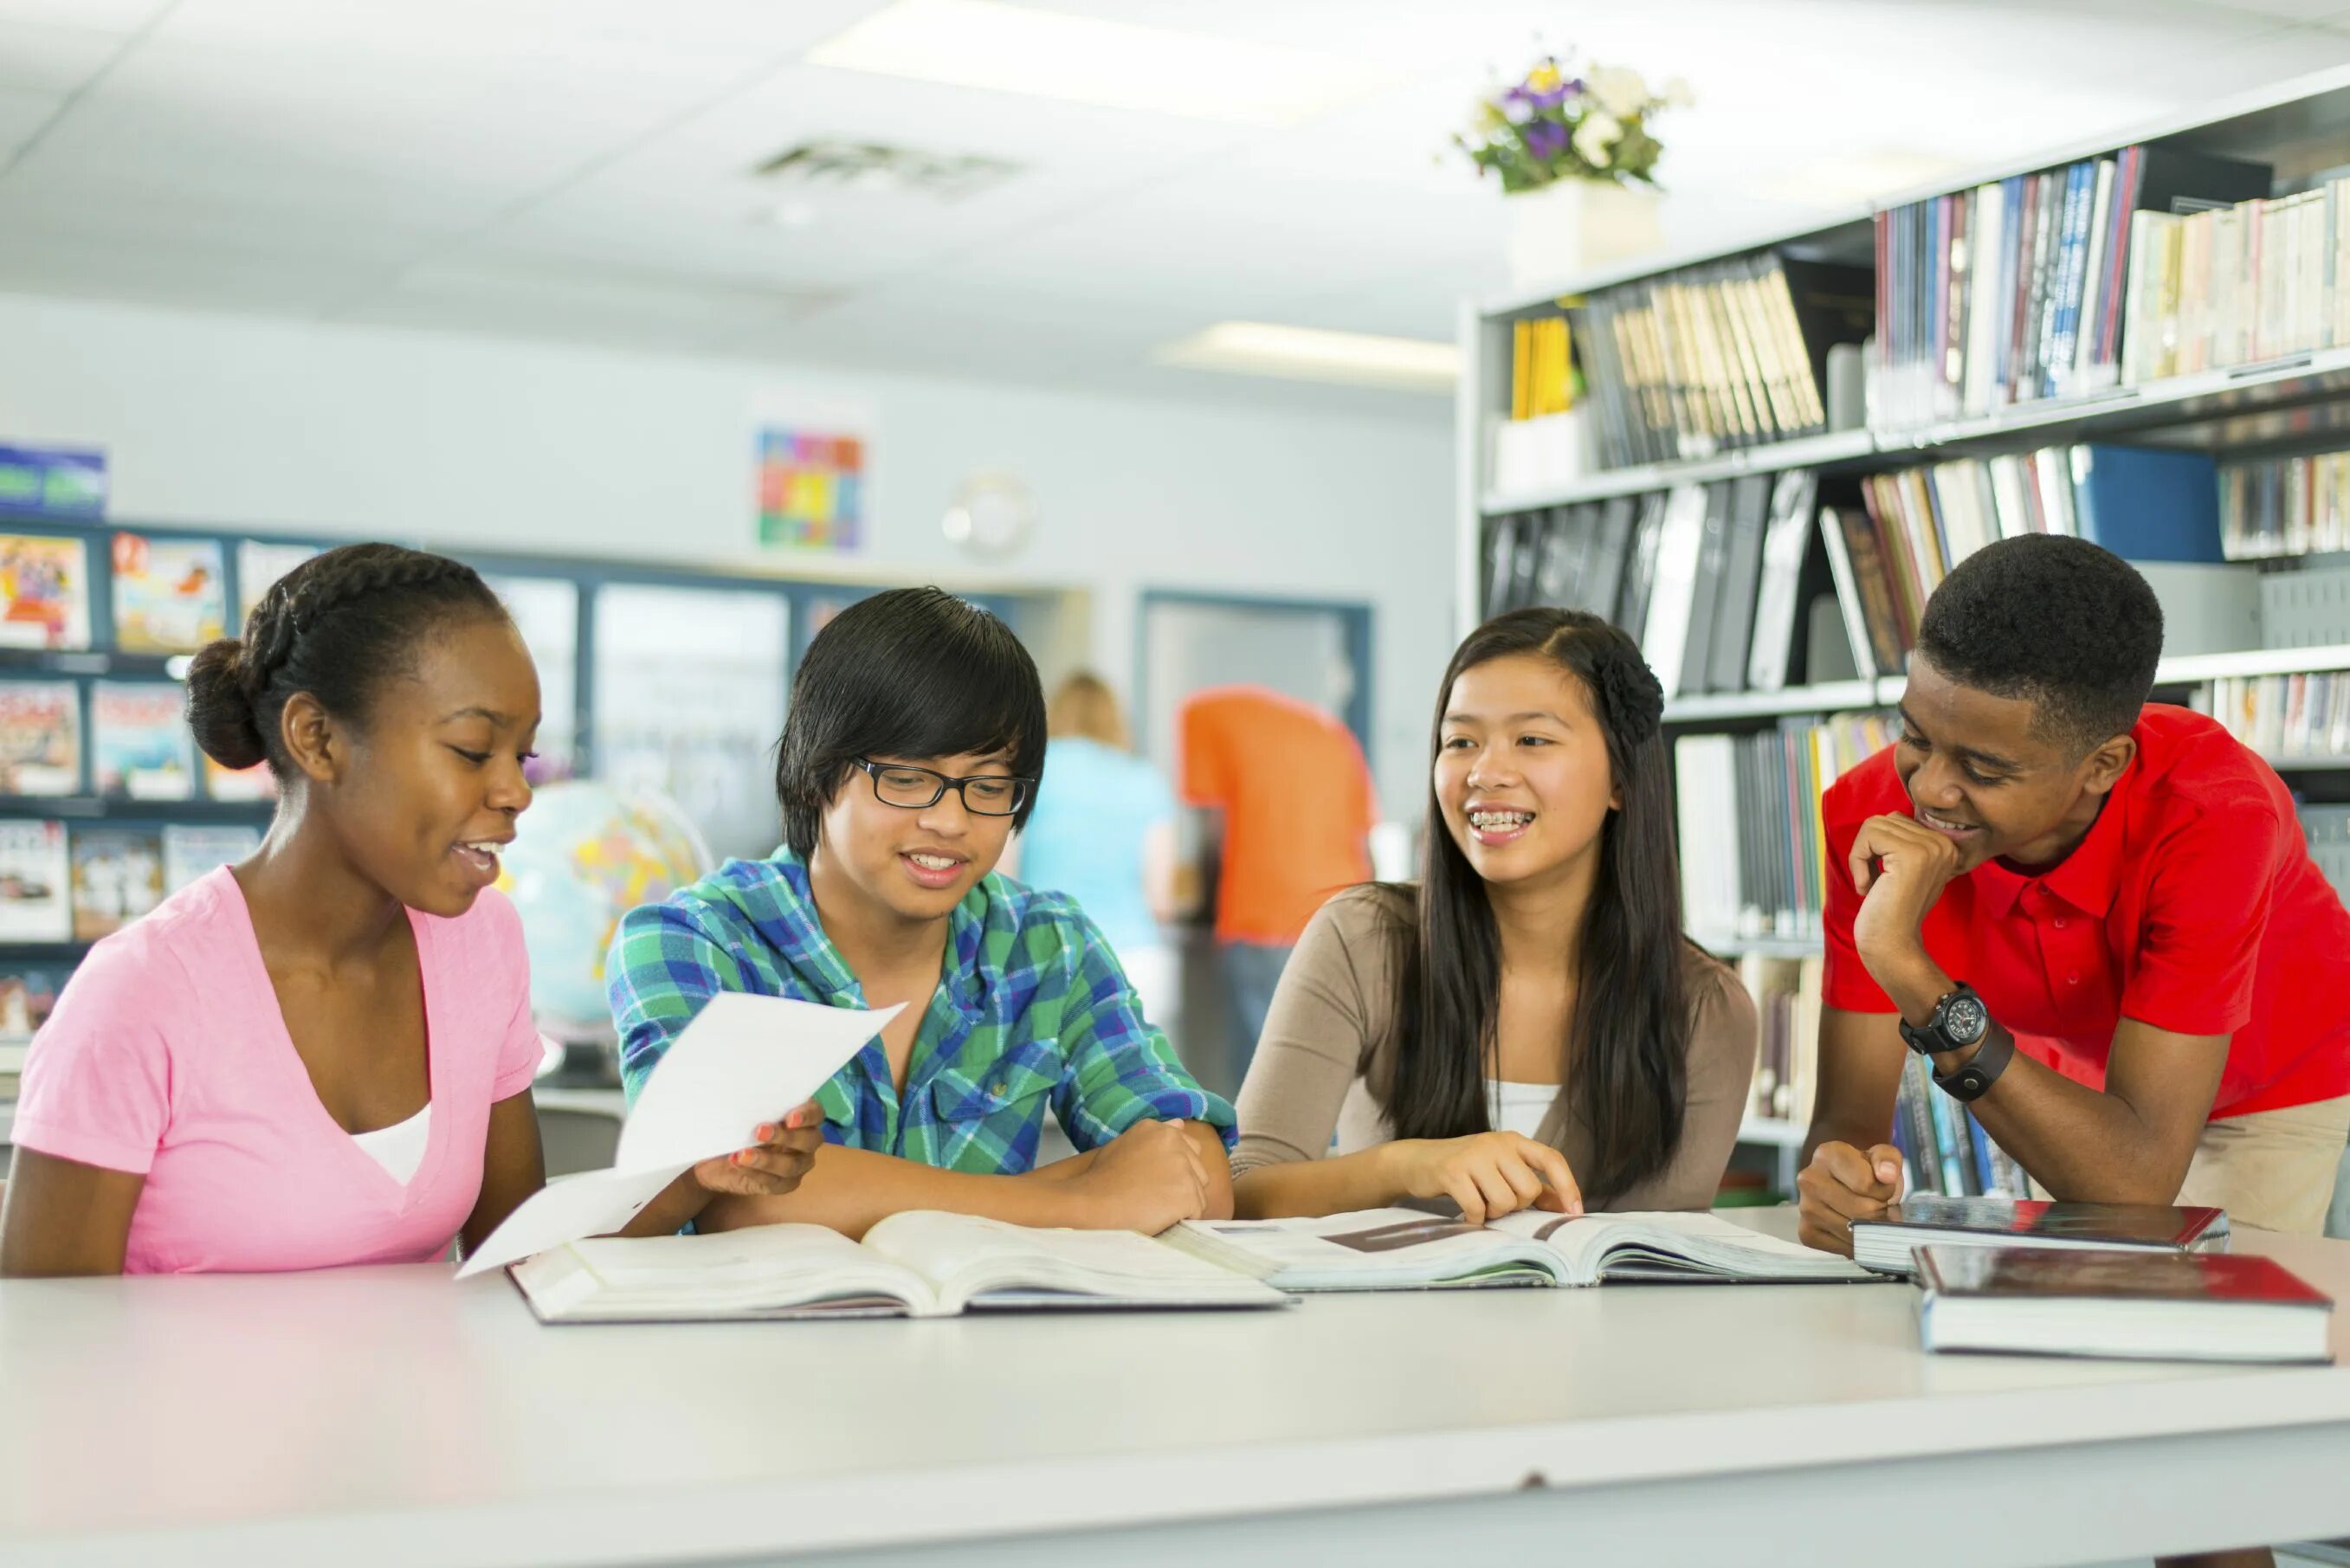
[1546, 138]
[1552, 99]
[1517, 106]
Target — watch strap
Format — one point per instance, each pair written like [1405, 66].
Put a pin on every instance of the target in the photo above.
[1971, 1081]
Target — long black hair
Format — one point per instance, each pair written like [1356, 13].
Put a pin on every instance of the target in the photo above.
[338, 626]
[1625, 1061]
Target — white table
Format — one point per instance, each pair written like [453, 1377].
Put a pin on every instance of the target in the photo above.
[388, 1416]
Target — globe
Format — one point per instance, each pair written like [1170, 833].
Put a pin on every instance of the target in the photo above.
[583, 856]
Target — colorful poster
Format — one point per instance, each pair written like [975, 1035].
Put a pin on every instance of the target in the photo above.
[256, 783]
[259, 564]
[140, 744]
[117, 875]
[811, 489]
[170, 594]
[51, 481]
[27, 996]
[33, 880]
[189, 852]
[44, 592]
[40, 737]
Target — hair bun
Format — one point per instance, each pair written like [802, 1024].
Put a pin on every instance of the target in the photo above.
[1632, 702]
[220, 708]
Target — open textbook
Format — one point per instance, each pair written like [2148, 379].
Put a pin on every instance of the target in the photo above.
[915, 1264]
[1405, 1249]
[743, 1061]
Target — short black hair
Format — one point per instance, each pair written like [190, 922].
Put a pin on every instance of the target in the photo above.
[2056, 620]
[338, 626]
[911, 673]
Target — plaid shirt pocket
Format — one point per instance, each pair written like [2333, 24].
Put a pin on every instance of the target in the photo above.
[996, 1107]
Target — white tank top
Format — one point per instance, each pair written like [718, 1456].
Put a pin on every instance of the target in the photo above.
[399, 1148]
[1511, 1107]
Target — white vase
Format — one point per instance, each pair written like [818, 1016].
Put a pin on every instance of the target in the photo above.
[1572, 226]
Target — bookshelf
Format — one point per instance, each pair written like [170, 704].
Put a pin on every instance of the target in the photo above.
[2277, 405]
[599, 722]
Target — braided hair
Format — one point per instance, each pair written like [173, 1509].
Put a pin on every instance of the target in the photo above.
[336, 626]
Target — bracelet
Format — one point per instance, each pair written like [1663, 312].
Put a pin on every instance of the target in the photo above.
[1982, 1070]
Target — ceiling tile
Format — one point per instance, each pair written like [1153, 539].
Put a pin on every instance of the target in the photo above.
[36, 58]
[101, 15]
[253, 279]
[22, 114]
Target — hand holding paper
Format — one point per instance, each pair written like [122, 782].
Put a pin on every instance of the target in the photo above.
[742, 1062]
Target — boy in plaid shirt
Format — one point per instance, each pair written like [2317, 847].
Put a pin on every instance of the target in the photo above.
[912, 751]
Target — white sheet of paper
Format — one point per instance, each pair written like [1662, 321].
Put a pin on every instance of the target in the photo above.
[594, 1204]
[743, 1061]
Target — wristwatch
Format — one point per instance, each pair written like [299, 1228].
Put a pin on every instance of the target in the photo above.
[1959, 1022]
[1958, 1019]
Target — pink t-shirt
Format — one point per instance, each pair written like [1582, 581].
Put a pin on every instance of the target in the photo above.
[167, 1056]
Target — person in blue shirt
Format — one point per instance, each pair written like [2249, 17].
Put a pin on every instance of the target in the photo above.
[1105, 834]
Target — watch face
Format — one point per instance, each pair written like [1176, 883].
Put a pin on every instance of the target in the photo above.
[1965, 1021]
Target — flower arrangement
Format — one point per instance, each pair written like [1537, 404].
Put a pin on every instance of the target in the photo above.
[1556, 126]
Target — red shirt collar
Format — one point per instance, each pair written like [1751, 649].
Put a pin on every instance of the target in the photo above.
[2085, 880]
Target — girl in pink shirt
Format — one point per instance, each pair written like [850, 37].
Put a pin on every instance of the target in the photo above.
[324, 1055]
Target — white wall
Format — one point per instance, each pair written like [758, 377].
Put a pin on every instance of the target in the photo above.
[491, 442]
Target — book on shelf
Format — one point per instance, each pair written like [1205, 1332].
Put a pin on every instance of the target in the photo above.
[1889, 1242]
[2327, 828]
[2285, 718]
[35, 881]
[141, 746]
[2172, 1306]
[259, 564]
[1916, 524]
[2255, 279]
[254, 783]
[1542, 441]
[44, 591]
[1944, 1150]
[2025, 289]
[1408, 1249]
[40, 737]
[1749, 812]
[117, 875]
[1706, 360]
[915, 1264]
[190, 850]
[29, 992]
[2285, 505]
[170, 596]
[1787, 1001]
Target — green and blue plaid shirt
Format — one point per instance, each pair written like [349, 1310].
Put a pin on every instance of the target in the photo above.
[1031, 1011]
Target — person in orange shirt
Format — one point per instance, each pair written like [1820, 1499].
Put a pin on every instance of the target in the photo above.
[1298, 808]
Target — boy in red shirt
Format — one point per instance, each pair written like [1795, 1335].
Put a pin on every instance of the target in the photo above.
[2098, 918]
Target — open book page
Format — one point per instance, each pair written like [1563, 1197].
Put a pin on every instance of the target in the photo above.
[759, 1270]
[1370, 1249]
[986, 1263]
[1664, 1246]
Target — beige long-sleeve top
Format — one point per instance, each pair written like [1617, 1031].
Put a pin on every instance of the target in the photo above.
[1327, 1057]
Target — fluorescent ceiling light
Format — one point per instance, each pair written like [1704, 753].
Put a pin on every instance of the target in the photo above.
[1085, 59]
[1303, 354]
[1837, 181]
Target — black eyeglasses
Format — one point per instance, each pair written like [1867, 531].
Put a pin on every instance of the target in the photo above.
[984, 795]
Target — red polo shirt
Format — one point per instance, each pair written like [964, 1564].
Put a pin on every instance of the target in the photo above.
[2192, 905]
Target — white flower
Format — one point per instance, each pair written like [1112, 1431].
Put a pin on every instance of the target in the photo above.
[1679, 93]
[1619, 89]
[1517, 111]
[1595, 138]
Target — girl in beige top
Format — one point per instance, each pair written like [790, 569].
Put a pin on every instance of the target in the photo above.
[1526, 1027]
